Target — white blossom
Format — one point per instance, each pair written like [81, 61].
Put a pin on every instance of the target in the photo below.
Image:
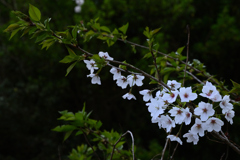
[129, 96]
[122, 82]
[147, 95]
[214, 124]
[174, 138]
[95, 78]
[186, 94]
[135, 79]
[155, 107]
[209, 90]
[188, 116]
[170, 97]
[167, 123]
[173, 84]
[77, 9]
[191, 137]
[198, 127]
[229, 116]
[204, 110]
[105, 55]
[91, 65]
[116, 73]
[225, 105]
[178, 113]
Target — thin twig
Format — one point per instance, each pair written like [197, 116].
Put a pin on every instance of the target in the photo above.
[188, 65]
[174, 151]
[188, 30]
[59, 153]
[120, 139]
[164, 149]
[155, 64]
[226, 141]
[194, 77]
[90, 144]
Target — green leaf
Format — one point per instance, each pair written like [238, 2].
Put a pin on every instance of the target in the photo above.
[74, 32]
[64, 128]
[12, 27]
[71, 52]
[14, 32]
[78, 133]
[47, 43]
[179, 50]
[46, 22]
[34, 13]
[154, 31]
[42, 37]
[124, 28]
[70, 68]
[146, 33]
[106, 29]
[236, 87]
[67, 135]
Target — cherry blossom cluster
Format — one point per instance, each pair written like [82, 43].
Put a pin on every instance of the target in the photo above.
[167, 114]
[169, 107]
[121, 81]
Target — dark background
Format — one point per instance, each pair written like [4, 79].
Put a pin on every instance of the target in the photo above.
[33, 87]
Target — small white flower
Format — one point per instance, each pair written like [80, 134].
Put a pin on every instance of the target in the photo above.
[91, 65]
[191, 137]
[170, 97]
[198, 127]
[79, 2]
[135, 79]
[178, 113]
[173, 84]
[174, 138]
[188, 116]
[186, 94]
[77, 9]
[214, 124]
[95, 78]
[167, 123]
[155, 107]
[156, 120]
[216, 97]
[159, 94]
[129, 96]
[209, 90]
[105, 55]
[147, 95]
[204, 110]
[122, 82]
[116, 73]
[225, 105]
[229, 116]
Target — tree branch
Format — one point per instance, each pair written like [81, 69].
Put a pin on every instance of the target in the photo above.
[120, 139]
[188, 30]
[226, 141]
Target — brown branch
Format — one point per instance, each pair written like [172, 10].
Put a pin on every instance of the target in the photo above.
[226, 141]
[120, 139]
[164, 149]
[90, 144]
[174, 151]
[155, 64]
[188, 30]
[176, 59]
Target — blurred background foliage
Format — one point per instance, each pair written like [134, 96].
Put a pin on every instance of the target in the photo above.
[33, 87]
